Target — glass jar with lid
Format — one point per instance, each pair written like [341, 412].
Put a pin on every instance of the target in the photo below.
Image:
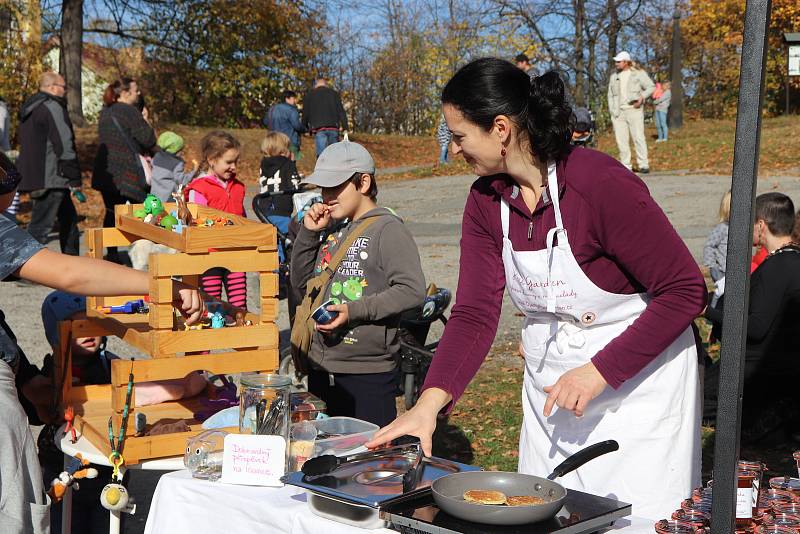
[696, 518]
[774, 529]
[784, 520]
[264, 405]
[671, 526]
[785, 483]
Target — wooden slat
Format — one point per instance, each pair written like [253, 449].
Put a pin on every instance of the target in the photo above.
[160, 289]
[268, 284]
[201, 239]
[161, 316]
[116, 238]
[234, 260]
[134, 333]
[232, 337]
[84, 394]
[269, 310]
[62, 364]
[118, 396]
[156, 234]
[263, 359]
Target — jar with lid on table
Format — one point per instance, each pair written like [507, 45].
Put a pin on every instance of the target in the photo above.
[264, 406]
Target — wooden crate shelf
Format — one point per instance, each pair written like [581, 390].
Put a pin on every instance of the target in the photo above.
[245, 246]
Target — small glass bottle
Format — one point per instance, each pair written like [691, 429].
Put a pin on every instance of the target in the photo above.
[758, 468]
[785, 483]
[744, 498]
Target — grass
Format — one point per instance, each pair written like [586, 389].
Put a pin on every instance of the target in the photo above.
[706, 146]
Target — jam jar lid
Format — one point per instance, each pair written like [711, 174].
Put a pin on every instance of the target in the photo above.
[774, 529]
[673, 526]
[786, 508]
[786, 520]
[785, 483]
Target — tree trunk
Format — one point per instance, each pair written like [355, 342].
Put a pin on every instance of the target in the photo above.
[71, 57]
[580, 70]
[675, 113]
[614, 26]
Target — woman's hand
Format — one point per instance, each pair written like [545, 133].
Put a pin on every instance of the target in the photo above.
[419, 421]
[317, 217]
[574, 389]
[340, 320]
[188, 301]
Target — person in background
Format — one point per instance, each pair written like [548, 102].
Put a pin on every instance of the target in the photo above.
[221, 190]
[49, 164]
[443, 136]
[715, 250]
[283, 117]
[662, 101]
[323, 114]
[771, 406]
[5, 127]
[169, 168]
[279, 173]
[124, 137]
[628, 88]
[523, 62]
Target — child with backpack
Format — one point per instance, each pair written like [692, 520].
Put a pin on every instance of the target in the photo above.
[372, 273]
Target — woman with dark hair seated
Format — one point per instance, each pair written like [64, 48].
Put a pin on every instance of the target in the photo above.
[771, 404]
[608, 289]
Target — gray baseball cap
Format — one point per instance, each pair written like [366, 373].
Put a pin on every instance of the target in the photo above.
[338, 162]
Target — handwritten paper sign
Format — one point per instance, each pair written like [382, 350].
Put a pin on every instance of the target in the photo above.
[253, 460]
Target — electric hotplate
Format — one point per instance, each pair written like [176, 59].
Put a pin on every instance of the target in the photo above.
[581, 513]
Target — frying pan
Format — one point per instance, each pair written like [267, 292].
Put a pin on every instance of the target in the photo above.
[448, 491]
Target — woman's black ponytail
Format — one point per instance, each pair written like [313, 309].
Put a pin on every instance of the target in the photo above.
[549, 120]
[488, 87]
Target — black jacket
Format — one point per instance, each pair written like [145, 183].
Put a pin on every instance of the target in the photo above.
[322, 108]
[47, 158]
[279, 173]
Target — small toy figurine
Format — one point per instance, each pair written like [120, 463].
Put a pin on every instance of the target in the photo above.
[152, 204]
[168, 222]
[132, 306]
[203, 457]
[196, 326]
[141, 213]
[217, 320]
[184, 215]
[69, 417]
[77, 468]
[116, 498]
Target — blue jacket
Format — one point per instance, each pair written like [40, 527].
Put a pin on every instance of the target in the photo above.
[285, 118]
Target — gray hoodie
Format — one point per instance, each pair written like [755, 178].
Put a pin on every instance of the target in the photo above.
[379, 278]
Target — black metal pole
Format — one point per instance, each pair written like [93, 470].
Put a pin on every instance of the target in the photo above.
[737, 275]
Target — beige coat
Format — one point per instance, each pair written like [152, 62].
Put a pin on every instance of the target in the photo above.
[639, 85]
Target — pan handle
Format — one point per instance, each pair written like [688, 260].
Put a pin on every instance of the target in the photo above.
[582, 456]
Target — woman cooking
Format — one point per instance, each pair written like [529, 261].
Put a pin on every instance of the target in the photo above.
[608, 289]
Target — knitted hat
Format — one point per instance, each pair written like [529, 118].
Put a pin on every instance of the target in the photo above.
[170, 142]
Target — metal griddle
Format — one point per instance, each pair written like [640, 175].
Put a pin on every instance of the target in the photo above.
[582, 513]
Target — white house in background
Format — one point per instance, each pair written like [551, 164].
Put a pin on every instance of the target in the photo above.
[99, 66]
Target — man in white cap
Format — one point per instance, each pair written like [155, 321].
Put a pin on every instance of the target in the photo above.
[627, 90]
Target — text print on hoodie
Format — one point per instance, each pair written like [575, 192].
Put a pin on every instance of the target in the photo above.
[379, 277]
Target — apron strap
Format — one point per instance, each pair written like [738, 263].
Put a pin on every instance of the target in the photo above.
[558, 230]
[504, 216]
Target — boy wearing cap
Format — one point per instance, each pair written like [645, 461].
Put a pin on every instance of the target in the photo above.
[353, 363]
[168, 167]
[628, 88]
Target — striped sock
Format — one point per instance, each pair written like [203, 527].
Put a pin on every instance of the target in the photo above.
[236, 289]
[212, 284]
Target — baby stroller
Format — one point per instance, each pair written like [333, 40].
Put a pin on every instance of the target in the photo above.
[264, 207]
[415, 353]
[583, 135]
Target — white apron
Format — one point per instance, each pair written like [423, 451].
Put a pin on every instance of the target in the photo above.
[655, 416]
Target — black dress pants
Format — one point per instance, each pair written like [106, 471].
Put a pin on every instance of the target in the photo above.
[369, 397]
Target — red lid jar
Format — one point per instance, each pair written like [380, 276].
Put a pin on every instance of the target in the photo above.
[671, 526]
[696, 518]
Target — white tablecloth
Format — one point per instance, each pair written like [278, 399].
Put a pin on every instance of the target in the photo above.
[182, 504]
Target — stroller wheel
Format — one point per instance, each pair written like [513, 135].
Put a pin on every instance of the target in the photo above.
[286, 368]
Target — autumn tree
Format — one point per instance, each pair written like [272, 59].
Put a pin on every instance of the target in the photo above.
[713, 44]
